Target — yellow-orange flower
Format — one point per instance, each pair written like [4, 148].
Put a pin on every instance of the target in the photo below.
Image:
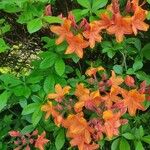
[81, 90]
[111, 124]
[93, 34]
[115, 80]
[48, 108]
[76, 45]
[62, 31]
[60, 93]
[138, 20]
[120, 27]
[133, 100]
[90, 101]
[92, 71]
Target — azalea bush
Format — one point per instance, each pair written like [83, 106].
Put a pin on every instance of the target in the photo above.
[74, 75]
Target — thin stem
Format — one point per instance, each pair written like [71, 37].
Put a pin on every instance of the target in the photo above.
[124, 60]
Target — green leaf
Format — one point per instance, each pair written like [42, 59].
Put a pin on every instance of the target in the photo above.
[124, 145]
[98, 4]
[118, 69]
[10, 80]
[137, 65]
[49, 83]
[34, 79]
[3, 46]
[146, 139]
[52, 19]
[34, 25]
[60, 139]
[48, 61]
[146, 51]
[115, 144]
[60, 66]
[128, 136]
[141, 131]
[4, 98]
[139, 146]
[84, 3]
[30, 108]
[36, 117]
[27, 129]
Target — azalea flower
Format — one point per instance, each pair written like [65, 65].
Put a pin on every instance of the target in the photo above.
[115, 80]
[133, 100]
[120, 27]
[49, 109]
[81, 90]
[90, 101]
[92, 71]
[111, 124]
[41, 141]
[78, 129]
[138, 20]
[76, 45]
[62, 31]
[93, 34]
[60, 93]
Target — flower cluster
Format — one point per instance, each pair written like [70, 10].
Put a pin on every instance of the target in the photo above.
[112, 21]
[28, 140]
[108, 99]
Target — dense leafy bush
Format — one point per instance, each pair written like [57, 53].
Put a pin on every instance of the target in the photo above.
[74, 74]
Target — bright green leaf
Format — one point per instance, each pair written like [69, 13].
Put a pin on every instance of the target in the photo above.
[128, 136]
[60, 66]
[60, 139]
[84, 3]
[4, 98]
[30, 108]
[124, 145]
[34, 25]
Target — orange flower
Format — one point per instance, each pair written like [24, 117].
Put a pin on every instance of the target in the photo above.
[81, 90]
[90, 101]
[78, 130]
[93, 71]
[63, 31]
[111, 124]
[48, 108]
[115, 80]
[60, 93]
[121, 26]
[133, 100]
[93, 34]
[138, 20]
[76, 45]
[41, 141]
[105, 21]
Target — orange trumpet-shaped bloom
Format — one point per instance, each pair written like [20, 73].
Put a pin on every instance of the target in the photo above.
[120, 27]
[115, 80]
[111, 124]
[133, 100]
[62, 31]
[93, 34]
[41, 141]
[60, 93]
[76, 45]
[138, 20]
[81, 90]
[90, 101]
[105, 21]
[78, 128]
[92, 71]
[49, 109]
